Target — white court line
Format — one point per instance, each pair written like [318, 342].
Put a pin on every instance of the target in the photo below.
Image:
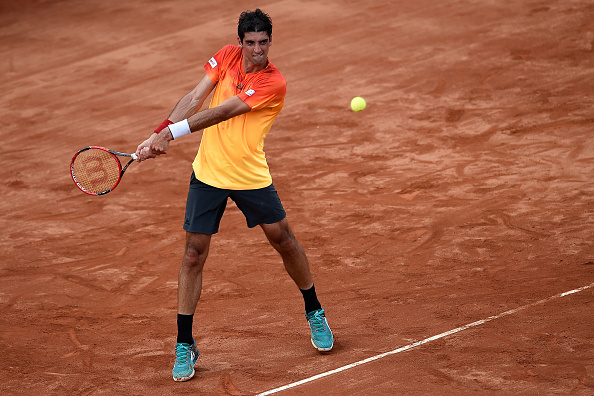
[425, 341]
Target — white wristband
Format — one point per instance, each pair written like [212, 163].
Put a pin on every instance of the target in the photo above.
[180, 129]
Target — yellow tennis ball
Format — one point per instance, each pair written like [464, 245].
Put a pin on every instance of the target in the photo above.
[358, 103]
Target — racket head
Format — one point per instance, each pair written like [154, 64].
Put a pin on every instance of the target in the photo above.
[95, 170]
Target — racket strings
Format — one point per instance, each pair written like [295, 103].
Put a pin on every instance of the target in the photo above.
[96, 170]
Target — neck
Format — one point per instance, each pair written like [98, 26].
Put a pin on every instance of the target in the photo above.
[249, 67]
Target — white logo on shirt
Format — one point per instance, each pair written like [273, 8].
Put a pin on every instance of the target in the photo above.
[250, 92]
[213, 62]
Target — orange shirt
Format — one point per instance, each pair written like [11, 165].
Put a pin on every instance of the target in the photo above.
[231, 153]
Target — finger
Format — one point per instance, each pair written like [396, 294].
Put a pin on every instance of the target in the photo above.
[158, 150]
[144, 153]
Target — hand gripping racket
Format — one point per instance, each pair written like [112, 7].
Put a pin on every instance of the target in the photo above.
[97, 170]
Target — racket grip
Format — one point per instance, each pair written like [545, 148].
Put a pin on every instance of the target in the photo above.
[134, 156]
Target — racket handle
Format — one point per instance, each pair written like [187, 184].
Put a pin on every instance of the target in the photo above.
[134, 156]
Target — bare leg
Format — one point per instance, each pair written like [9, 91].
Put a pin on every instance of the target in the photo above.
[283, 240]
[189, 285]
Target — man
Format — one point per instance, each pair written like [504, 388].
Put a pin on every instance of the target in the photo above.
[248, 94]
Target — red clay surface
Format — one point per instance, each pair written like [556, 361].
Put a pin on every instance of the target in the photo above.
[464, 190]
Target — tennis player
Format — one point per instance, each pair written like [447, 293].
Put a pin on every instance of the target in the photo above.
[249, 93]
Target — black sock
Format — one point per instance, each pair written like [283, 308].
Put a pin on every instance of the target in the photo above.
[184, 328]
[311, 299]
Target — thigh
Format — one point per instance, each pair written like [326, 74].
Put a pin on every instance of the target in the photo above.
[260, 206]
[204, 207]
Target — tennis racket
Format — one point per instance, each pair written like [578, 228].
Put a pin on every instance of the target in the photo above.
[97, 170]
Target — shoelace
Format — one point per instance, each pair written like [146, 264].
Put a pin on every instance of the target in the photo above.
[318, 322]
[182, 354]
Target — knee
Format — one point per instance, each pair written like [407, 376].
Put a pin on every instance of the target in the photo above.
[286, 243]
[195, 257]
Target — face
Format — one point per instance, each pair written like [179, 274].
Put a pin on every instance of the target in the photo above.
[255, 48]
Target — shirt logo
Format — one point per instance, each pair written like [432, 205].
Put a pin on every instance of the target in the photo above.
[213, 62]
[250, 92]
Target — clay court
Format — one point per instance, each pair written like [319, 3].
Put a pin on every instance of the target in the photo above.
[450, 223]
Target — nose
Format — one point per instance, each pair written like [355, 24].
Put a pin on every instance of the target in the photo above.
[257, 48]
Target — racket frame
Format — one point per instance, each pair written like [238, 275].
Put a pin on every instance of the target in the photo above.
[114, 154]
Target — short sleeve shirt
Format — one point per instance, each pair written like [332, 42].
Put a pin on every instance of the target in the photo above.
[231, 153]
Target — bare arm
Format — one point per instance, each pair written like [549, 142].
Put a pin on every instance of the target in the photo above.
[158, 144]
[192, 101]
[230, 108]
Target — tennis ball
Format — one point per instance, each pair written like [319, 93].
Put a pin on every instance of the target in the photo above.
[358, 103]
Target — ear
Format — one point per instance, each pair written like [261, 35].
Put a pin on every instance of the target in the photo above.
[239, 41]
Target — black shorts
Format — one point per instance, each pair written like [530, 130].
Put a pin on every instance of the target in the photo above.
[206, 205]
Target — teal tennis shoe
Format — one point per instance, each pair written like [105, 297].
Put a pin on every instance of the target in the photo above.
[321, 336]
[185, 359]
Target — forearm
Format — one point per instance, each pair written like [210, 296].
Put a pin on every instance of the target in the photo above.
[230, 108]
[192, 101]
[207, 118]
[186, 106]
[197, 122]
[158, 142]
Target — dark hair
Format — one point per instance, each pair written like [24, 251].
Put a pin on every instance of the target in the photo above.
[254, 21]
